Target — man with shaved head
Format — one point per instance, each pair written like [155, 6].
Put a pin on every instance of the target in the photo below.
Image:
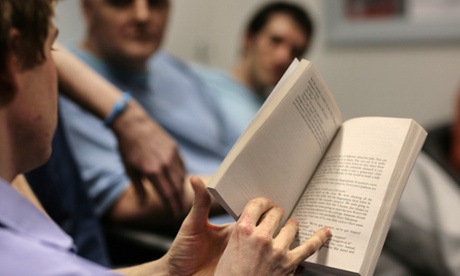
[122, 43]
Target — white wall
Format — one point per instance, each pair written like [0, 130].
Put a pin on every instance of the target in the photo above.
[418, 81]
[69, 21]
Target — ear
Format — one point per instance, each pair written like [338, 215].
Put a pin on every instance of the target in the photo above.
[87, 9]
[246, 43]
[9, 78]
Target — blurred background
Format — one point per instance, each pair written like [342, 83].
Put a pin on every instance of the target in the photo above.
[398, 58]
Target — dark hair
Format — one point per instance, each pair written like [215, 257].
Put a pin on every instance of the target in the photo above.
[31, 18]
[297, 13]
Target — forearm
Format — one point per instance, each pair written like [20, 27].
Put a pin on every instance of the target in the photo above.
[83, 85]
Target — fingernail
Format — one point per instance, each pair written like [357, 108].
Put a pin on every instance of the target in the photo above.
[327, 231]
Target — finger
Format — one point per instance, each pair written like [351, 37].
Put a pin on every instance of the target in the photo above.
[254, 210]
[176, 192]
[159, 176]
[311, 245]
[176, 176]
[166, 193]
[287, 234]
[139, 188]
[173, 188]
[178, 171]
[271, 220]
[198, 215]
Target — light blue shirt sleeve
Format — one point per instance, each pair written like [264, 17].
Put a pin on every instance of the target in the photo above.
[95, 150]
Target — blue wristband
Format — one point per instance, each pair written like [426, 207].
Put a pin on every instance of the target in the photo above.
[118, 108]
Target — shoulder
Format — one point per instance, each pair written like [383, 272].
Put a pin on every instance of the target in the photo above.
[171, 75]
[95, 63]
[225, 86]
[211, 74]
[21, 256]
[164, 60]
[83, 55]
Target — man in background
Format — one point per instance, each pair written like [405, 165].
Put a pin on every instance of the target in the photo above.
[122, 44]
[277, 33]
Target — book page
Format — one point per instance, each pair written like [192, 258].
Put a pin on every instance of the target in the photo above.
[277, 155]
[277, 87]
[349, 188]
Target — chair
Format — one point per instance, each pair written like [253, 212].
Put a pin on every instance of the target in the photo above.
[437, 146]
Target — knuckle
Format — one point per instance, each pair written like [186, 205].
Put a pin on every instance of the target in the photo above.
[278, 253]
[264, 239]
[151, 168]
[312, 247]
[170, 152]
[168, 160]
[257, 203]
[243, 227]
[280, 211]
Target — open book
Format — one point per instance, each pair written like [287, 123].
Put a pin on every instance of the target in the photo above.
[348, 175]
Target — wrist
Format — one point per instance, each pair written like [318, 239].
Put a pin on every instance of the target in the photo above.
[134, 116]
[158, 267]
[118, 108]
